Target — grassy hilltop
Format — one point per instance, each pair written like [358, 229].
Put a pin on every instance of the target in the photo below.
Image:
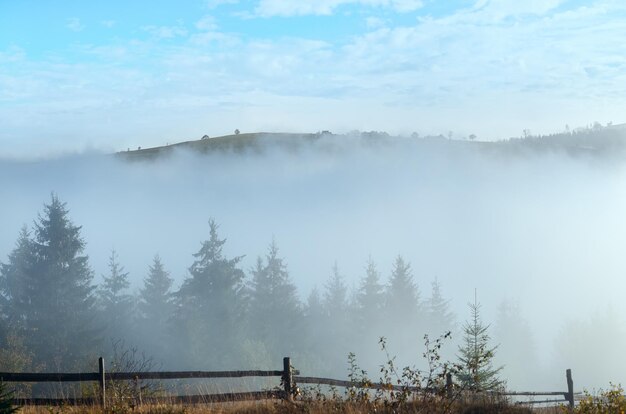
[248, 142]
[595, 141]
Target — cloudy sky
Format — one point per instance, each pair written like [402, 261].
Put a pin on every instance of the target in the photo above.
[78, 75]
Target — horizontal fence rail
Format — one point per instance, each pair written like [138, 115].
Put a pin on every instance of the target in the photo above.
[569, 396]
[348, 384]
[52, 377]
[103, 377]
[121, 376]
[289, 379]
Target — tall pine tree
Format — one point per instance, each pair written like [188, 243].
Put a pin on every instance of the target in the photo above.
[402, 306]
[212, 304]
[155, 298]
[275, 311]
[17, 281]
[335, 295]
[370, 297]
[336, 330]
[48, 286]
[440, 318]
[156, 308]
[116, 304]
[370, 301]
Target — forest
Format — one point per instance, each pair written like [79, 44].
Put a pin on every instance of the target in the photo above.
[235, 260]
[56, 319]
[54, 316]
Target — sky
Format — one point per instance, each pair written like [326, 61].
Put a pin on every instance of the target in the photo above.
[108, 76]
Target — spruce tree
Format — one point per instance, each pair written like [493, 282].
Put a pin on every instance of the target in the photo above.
[402, 292]
[15, 283]
[116, 305]
[156, 308]
[18, 281]
[314, 309]
[402, 305]
[48, 286]
[335, 295]
[275, 311]
[211, 304]
[440, 318]
[476, 355]
[155, 298]
[370, 300]
[335, 331]
[370, 297]
[402, 296]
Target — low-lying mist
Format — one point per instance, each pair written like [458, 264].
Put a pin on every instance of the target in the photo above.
[539, 236]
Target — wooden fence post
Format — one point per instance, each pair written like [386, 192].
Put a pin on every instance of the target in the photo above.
[449, 385]
[570, 388]
[287, 378]
[102, 381]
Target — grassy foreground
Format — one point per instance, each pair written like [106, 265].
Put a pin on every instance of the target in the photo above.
[279, 407]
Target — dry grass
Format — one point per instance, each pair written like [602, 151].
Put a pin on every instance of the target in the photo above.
[280, 407]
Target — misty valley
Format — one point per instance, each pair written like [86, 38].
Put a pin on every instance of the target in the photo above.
[336, 250]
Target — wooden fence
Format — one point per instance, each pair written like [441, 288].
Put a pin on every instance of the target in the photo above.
[102, 377]
[567, 396]
[289, 378]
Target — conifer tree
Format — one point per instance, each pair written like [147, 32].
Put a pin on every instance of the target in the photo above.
[370, 297]
[275, 311]
[440, 318]
[402, 297]
[335, 330]
[15, 283]
[156, 310]
[314, 308]
[155, 298]
[316, 339]
[476, 355]
[211, 304]
[17, 280]
[403, 306]
[335, 295]
[370, 301]
[115, 303]
[48, 286]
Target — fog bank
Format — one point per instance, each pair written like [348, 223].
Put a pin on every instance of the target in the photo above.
[545, 230]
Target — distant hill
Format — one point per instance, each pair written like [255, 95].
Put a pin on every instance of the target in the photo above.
[595, 140]
[249, 142]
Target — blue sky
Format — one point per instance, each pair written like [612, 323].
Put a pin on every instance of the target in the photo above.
[78, 75]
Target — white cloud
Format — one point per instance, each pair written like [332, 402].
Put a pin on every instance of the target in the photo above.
[165, 32]
[405, 6]
[206, 38]
[108, 23]
[374, 22]
[206, 23]
[212, 4]
[268, 8]
[74, 24]
[12, 54]
[500, 9]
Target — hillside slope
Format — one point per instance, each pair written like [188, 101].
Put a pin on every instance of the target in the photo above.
[595, 141]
